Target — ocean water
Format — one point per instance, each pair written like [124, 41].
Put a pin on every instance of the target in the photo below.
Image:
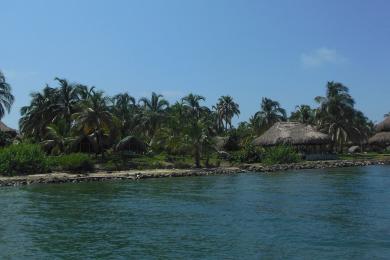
[310, 214]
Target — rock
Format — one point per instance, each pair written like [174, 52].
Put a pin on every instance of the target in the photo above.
[354, 149]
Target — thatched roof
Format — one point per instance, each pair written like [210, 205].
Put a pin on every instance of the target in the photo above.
[131, 143]
[10, 131]
[383, 126]
[292, 133]
[5, 128]
[220, 142]
[381, 138]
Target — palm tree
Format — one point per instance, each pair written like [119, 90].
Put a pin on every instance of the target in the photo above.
[226, 109]
[67, 99]
[196, 115]
[336, 112]
[124, 108]
[270, 113]
[303, 114]
[95, 118]
[6, 97]
[39, 114]
[154, 110]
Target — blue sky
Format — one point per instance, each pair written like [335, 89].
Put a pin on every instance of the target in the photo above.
[285, 50]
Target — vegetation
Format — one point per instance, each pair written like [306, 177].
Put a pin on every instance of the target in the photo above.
[74, 162]
[23, 159]
[281, 154]
[6, 97]
[73, 121]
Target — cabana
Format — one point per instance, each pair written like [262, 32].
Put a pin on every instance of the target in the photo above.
[305, 138]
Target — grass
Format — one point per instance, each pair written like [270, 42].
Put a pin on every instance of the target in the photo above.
[365, 156]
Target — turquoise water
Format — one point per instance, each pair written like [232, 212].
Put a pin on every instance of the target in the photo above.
[312, 214]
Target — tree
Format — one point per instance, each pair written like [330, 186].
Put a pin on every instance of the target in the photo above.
[303, 114]
[125, 109]
[197, 123]
[154, 111]
[95, 118]
[270, 113]
[39, 114]
[67, 97]
[335, 113]
[6, 97]
[226, 109]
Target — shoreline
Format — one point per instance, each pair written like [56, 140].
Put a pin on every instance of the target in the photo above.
[61, 177]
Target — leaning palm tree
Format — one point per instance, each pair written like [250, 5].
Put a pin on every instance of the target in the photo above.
[226, 109]
[6, 97]
[95, 119]
[270, 113]
[153, 112]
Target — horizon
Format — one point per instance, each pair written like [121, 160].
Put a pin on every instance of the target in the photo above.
[247, 49]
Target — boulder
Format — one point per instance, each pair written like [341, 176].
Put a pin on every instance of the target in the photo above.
[354, 149]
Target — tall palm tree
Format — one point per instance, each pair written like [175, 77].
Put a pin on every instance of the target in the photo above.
[67, 99]
[6, 97]
[196, 115]
[270, 113]
[226, 109]
[154, 111]
[95, 118]
[336, 112]
[303, 114]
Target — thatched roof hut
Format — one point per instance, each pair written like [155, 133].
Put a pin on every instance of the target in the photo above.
[131, 143]
[4, 128]
[383, 126]
[382, 137]
[292, 133]
[220, 142]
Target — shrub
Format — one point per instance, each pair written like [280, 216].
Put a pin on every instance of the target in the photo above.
[250, 154]
[22, 159]
[74, 162]
[281, 154]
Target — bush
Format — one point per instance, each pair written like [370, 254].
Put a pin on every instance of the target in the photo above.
[22, 159]
[74, 162]
[281, 154]
[250, 154]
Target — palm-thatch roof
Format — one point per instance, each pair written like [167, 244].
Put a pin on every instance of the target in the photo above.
[381, 138]
[4, 128]
[292, 133]
[131, 143]
[383, 126]
[220, 142]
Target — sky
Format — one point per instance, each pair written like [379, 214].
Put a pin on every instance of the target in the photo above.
[249, 49]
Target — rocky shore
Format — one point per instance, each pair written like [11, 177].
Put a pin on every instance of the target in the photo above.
[160, 173]
[106, 176]
[312, 165]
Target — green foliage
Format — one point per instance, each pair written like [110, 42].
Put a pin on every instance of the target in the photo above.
[281, 154]
[249, 154]
[74, 162]
[23, 159]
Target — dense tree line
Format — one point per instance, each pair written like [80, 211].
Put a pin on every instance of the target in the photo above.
[63, 115]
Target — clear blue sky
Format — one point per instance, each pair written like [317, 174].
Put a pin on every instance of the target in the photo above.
[285, 50]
